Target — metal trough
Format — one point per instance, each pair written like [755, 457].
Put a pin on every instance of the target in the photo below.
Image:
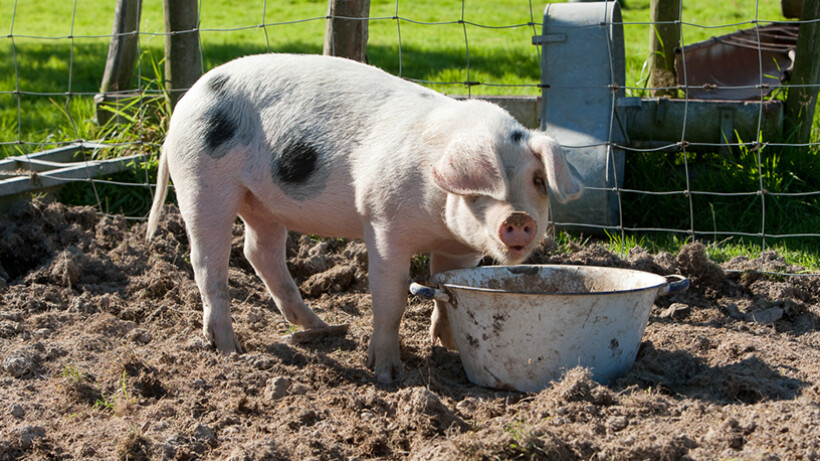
[733, 66]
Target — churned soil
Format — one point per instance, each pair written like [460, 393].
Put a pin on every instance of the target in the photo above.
[101, 357]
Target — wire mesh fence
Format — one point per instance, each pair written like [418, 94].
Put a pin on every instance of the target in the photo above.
[758, 186]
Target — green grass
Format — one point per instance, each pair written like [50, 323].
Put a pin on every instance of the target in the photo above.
[36, 56]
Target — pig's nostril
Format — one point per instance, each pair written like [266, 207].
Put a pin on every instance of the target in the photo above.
[517, 231]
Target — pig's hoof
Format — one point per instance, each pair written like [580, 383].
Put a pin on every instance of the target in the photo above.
[305, 336]
[446, 340]
[224, 342]
[389, 375]
[440, 331]
[386, 371]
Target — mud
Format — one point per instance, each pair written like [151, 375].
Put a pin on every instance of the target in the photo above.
[101, 357]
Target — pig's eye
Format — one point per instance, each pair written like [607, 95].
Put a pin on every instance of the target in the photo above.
[540, 184]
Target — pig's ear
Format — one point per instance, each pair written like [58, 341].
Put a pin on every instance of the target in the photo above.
[562, 182]
[470, 166]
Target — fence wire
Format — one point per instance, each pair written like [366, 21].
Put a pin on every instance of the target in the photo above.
[683, 150]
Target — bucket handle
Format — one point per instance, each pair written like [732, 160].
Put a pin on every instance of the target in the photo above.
[674, 284]
[417, 289]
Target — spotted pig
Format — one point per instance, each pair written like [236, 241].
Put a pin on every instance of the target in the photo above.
[333, 147]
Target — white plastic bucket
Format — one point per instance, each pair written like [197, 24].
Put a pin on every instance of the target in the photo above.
[520, 327]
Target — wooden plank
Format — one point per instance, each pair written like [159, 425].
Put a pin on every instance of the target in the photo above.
[59, 154]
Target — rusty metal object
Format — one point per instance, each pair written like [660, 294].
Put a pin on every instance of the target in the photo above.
[791, 8]
[747, 64]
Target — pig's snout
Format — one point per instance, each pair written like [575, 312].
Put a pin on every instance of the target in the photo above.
[518, 231]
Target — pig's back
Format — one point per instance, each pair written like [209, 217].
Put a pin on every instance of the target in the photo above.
[302, 131]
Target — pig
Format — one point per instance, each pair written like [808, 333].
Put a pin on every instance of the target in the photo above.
[333, 147]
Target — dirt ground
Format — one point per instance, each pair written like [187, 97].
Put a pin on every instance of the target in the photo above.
[102, 358]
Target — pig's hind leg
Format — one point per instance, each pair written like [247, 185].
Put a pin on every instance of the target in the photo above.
[209, 231]
[265, 245]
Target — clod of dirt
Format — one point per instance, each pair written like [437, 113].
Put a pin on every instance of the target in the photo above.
[133, 447]
[28, 435]
[10, 328]
[575, 386]
[276, 388]
[204, 434]
[675, 311]
[662, 263]
[79, 388]
[423, 411]
[334, 280]
[19, 365]
[313, 334]
[695, 264]
[67, 268]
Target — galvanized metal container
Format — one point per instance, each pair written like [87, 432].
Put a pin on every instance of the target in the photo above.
[582, 77]
[521, 327]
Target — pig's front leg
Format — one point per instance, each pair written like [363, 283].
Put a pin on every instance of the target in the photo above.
[389, 269]
[439, 324]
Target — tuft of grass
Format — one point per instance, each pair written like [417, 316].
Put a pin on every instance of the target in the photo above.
[118, 402]
[770, 189]
[79, 386]
[82, 387]
[802, 253]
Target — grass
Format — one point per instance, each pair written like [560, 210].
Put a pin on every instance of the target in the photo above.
[38, 58]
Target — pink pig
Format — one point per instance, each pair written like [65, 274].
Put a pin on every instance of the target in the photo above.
[333, 147]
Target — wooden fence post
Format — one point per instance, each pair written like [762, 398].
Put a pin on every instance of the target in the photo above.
[347, 37]
[801, 101]
[183, 61]
[122, 55]
[663, 40]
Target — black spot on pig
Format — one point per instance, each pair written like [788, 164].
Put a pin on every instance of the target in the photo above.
[219, 130]
[217, 82]
[296, 162]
